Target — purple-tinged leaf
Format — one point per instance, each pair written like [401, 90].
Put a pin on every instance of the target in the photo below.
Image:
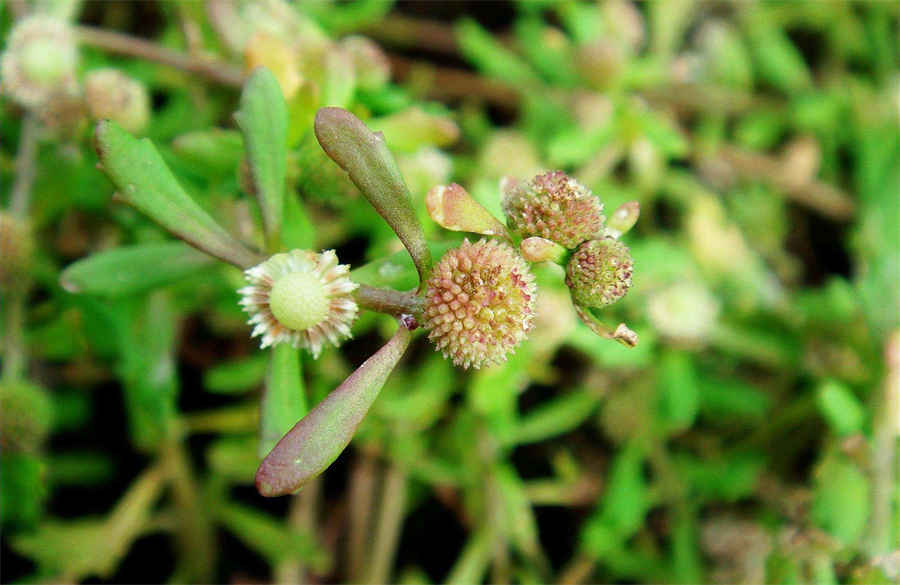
[317, 440]
[453, 208]
[372, 168]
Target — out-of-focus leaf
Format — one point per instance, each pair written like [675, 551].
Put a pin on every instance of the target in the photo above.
[678, 391]
[23, 490]
[396, 271]
[372, 168]
[841, 500]
[284, 401]
[236, 376]
[234, 458]
[144, 180]
[777, 60]
[726, 479]
[556, 417]
[85, 547]
[269, 537]
[317, 440]
[489, 56]
[134, 269]
[473, 561]
[216, 151]
[413, 128]
[843, 411]
[81, 468]
[298, 231]
[625, 501]
[730, 398]
[263, 121]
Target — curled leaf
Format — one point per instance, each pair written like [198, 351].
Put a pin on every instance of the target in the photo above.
[453, 208]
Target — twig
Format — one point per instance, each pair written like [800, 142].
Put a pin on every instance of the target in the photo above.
[577, 571]
[822, 197]
[114, 42]
[393, 506]
[408, 32]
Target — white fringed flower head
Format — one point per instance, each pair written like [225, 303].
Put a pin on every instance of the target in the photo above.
[39, 61]
[300, 297]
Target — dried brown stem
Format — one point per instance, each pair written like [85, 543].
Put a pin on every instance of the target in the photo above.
[114, 42]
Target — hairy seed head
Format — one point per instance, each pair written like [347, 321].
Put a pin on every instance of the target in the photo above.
[599, 272]
[553, 206]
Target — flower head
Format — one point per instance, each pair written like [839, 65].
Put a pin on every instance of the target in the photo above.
[110, 94]
[599, 272]
[553, 206]
[300, 297]
[479, 304]
[39, 61]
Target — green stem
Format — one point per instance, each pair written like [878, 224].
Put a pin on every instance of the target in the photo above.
[20, 196]
[14, 346]
[389, 301]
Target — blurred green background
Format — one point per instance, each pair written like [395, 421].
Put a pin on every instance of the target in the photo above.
[752, 436]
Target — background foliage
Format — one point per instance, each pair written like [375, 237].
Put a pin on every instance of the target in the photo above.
[751, 436]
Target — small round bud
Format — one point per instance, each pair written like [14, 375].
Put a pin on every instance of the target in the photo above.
[684, 312]
[599, 272]
[39, 61]
[479, 303]
[26, 414]
[370, 63]
[16, 247]
[553, 206]
[112, 95]
[301, 298]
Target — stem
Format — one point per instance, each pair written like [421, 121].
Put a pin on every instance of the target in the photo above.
[20, 196]
[390, 521]
[362, 496]
[884, 451]
[114, 42]
[14, 348]
[290, 570]
[386, 300]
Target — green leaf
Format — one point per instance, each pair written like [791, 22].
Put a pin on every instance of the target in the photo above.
[840, 407]
[372, 168]
[267, 536]
[626, 500]
[556, 417]
[841, 500]
[133, 269]
[284, 402]
[678, 391]
[216, 151]
[396, 271]
[317, 440]
[263, 121]
[143, 180]
[237, 376]
[490, 57]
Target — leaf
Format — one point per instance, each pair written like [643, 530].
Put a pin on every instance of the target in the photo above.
[556, 416]
[143, 180]
[372, 168]
[263, 121]
[236, 376]
[284, 402]
[678, 391]
[626, 500]
[216, 151]
[395, 271]
[840, 407]
[490, 57]
[841, 501]
[317, 440]
[133, 269]
[267, 536]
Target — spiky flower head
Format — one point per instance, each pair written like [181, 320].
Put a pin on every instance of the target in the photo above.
[300, 297]
[112, 95]
[479, 303]
[553, 206]
[599, 272]
[39, 61]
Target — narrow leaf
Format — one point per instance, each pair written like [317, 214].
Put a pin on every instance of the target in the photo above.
[263, 121]
[317, 440]
[372, 168]
[284, 402]
[143, 179]
[133, 269]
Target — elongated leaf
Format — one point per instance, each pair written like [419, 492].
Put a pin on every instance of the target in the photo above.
[214, 151]
[133, 269]
[263, 121]
[236, 376]
[317, 440]
[372, 168]
[143, 179]
[284, 402]
[267, 536]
